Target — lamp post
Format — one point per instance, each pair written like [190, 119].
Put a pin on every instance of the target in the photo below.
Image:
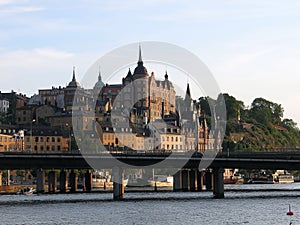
[31, 141]
[69, 143]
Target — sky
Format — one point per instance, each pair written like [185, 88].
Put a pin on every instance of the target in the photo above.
[252, 47]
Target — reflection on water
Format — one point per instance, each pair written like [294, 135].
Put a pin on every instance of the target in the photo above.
[243, 204]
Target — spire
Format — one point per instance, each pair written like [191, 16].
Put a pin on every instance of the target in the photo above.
[140, 69]
[188, 92]
[129, 74]
[99, 75]
[140, 54]
[166, 75]
[73, 83]
[73, 79]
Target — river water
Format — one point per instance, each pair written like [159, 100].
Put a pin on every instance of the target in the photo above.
[243, 204]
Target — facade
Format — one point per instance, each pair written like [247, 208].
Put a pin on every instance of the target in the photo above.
[34, 140]
[53, 96]
[25, 114]
[7, 141]
[4, 105]
[46, 140]
[15, 101]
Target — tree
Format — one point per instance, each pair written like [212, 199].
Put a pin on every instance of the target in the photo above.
[289, 123]
[266, 112]
[233, 107]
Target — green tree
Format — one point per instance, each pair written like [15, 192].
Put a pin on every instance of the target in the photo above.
[266, 112]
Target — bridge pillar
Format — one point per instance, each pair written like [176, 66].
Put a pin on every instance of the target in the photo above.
[52, 182]
[185, 180]
[200, 179]
[208, 180]
[63, 181]
[73, 181]
[40, 181]
[118, 187]
[88, 181]
[193, 179]
[0, 178]
[218, 191]
[177, 181]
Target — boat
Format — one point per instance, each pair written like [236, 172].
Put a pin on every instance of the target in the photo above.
[283, 177]
[136, 180]
[26, 191]
[161, 181]
[230, 180]
[103, 180]
[261, 178]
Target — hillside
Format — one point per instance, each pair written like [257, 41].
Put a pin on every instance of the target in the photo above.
[260, 127]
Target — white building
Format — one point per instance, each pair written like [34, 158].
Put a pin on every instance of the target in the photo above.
[4, 105]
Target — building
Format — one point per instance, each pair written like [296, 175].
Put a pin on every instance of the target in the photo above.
[4, 105]
[25, 114]
[47, 140]
[15, 101]
[141, 113]
[34, 139]
[53, 96]
[7, 140]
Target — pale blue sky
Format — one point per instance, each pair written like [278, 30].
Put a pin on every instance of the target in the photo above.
[252, 47]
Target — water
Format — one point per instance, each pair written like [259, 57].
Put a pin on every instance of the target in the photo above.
[246, 204]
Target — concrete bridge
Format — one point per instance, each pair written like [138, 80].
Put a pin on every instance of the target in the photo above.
[188, 178]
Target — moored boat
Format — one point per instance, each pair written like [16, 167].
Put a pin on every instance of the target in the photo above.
[26, 191]
[103, 180]
[283, 177]
[161, 181]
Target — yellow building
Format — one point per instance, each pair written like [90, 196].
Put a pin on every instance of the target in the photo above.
[37, 140]
[7, 143]
[46, 140]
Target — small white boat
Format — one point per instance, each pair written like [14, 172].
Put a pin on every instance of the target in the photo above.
[103, 180]
[161, 181]
[26, 191]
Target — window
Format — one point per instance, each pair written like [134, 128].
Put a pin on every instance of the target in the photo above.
[58, 139]
[53, 148]
[42, 148]
[58, 148]
[53, 139]
[48, 148]
[35, 148]
[48, 139]
[42, 139]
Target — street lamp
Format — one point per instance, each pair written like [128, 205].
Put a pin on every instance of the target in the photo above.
[31, 141]
[69, 145]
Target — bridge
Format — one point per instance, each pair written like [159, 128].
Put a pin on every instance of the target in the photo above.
[188, 178]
